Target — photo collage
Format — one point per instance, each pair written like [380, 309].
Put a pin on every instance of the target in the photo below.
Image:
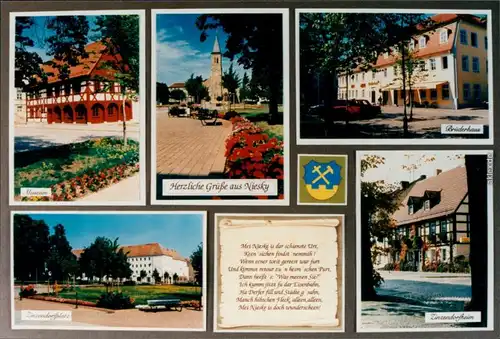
[128, 152]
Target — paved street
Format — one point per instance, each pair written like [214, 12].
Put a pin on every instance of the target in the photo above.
[407, 296]
[94, 317]
[184, 147]
[37, 134]
[426, 123]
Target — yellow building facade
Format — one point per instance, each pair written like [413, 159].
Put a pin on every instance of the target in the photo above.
[452, 72]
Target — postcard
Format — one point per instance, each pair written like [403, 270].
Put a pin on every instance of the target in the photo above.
[279, 273]
[126, 271]
[421, 77]
[221, 113]
[77, 109]
[425, 245]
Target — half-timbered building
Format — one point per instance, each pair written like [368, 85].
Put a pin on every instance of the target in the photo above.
[87, 94]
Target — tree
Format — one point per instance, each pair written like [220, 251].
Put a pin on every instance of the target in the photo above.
[244, 89]
[105, 258]
[142, 275]
[378, 203]
[415, 73]
[31, 247]
[27, 64]
[175, 277]
[61, 261]
[156, 276]
[476, 169]
[120, 33]
[231, 80]
[257, 43]
[178, 94]
[166, 276]
[162, 93]
[195, 88]
[67, 44]
[196, 259]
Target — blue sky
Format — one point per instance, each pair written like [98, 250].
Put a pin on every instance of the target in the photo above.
[39, 34]
[179, 52]
[182, 232]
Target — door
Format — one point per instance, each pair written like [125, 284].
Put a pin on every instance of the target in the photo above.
[396, 96]
[373, 97]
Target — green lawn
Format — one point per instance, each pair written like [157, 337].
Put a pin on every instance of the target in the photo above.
[260, 116]
[49, 166]
[139, 293]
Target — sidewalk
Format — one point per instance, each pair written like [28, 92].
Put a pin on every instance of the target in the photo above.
[127, 190]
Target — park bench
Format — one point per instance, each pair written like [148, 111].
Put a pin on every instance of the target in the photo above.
[208, 118]
[168, 304]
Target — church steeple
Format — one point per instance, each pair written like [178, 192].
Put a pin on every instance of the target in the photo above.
[216, 48]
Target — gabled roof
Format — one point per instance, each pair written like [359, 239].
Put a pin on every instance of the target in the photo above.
[144, 250]
[177, 85]
[453, 187]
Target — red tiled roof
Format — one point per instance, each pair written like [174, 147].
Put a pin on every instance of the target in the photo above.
[84, 66]
[452, 186]
[177, 85]
[144, 250]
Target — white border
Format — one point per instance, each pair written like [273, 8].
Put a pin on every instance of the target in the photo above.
[490, 322]
[345, 179]
[269, 329]
[286, 110]
[110, 328]
[389, 141]
[142, 100]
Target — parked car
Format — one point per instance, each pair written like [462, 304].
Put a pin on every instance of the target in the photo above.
[341, 110]
[367, 109]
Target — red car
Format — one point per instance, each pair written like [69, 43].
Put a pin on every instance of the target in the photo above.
[368, 110]
[341, 110]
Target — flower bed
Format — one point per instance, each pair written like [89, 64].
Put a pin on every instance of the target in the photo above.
[63, 300]
[27, 291]
[75, 170]
[191, 304]
[251, 153]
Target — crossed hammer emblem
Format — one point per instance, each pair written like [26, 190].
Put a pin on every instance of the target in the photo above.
[322, 175]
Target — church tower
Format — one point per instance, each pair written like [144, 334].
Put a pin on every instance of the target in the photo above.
[215, 83]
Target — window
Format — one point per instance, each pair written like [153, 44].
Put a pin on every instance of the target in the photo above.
[465, 63]
[67, 89]
[423, 93]
[445, 92]
[475, 64]
[434, 94]
[443, 254]
[385, 72]
[466, 91]
[444, 227]
[485, 42]
[410, 209]
[356, 77]
[362, 93]
[444, 62]
[356, 94]
[56, 91]
[412, 44]
[476, 91]
[432, 228]
[443, 36]
[111, 87]
[463, 37]
[421, 42]
[373, 74]
[77, 87]
[473, 39]
[363, 76]
[432, 64]
[19, 95]
[427, 205]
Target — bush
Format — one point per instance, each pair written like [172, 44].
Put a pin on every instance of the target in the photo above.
[408, 267]
[176, 110]
[115, 301]
[27, 291]
[129, 283]
[251, 153]
[231, 114]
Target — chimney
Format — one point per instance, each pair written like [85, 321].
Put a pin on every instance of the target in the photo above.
[405, 184]
[439, 171]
